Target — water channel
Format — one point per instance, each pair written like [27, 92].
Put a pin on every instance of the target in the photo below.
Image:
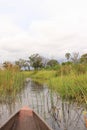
[60, 115]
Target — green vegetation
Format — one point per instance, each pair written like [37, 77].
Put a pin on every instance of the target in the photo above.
[67, 78]
[11, 81]
[36, 61]
[71, 87]
[70, 81]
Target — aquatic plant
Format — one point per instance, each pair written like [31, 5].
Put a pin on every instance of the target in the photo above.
[11, 81]
[71, 86]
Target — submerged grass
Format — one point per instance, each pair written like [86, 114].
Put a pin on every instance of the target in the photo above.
[70, 87]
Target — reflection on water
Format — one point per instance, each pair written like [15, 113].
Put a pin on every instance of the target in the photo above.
[59, 115]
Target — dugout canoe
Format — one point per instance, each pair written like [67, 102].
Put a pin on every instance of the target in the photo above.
[25, 119]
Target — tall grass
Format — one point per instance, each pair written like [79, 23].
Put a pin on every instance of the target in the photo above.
[40, 76]
[10, 82]
[43, 74]
[71, 86]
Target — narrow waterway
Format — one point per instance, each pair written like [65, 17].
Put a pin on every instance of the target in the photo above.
[58, 114]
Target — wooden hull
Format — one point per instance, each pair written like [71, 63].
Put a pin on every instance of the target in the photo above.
[25, 119]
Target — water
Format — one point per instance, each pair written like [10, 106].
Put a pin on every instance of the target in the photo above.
[58, 114]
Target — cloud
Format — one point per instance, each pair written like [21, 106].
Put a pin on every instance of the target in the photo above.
[42, 37]
[48, 27]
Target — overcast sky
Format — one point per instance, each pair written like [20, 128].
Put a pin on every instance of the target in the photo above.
[48, 27]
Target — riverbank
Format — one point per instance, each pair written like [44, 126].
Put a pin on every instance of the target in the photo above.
[71, 86]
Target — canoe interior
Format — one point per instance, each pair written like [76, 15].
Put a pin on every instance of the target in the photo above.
[25, 120]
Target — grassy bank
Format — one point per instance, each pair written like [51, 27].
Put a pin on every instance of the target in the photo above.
[10, 82]
[71, 86]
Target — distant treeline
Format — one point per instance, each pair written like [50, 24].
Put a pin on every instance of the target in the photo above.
[38, 62]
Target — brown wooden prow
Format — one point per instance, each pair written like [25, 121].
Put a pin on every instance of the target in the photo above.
[25, 119]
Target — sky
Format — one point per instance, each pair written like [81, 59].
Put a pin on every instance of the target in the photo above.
[48, 27]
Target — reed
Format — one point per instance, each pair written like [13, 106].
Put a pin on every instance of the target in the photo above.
[71, 86]
[10, 82]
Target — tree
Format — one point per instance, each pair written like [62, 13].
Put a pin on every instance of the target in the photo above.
[67, 55]
[7, 65]
[45, 61]
[75, 57]
[36, 61]
[23, 64]
[83, 58]
[27, 65]
[52, 63]
[20, 63]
